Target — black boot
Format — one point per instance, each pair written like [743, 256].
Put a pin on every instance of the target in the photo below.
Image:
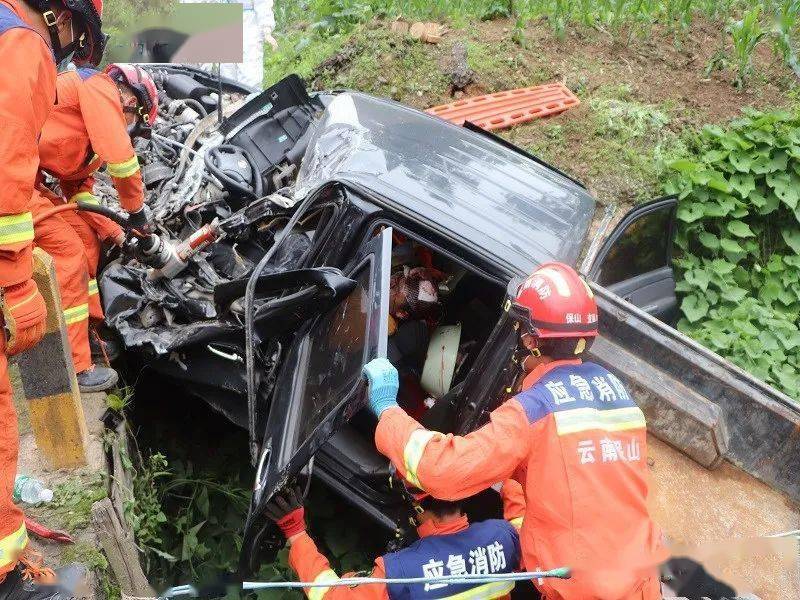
[69, 584]
[97, 379]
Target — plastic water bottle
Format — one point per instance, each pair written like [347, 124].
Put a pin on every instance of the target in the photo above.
[30, 491]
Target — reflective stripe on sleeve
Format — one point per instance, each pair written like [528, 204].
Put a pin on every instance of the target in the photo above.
[487, 591]
[517, 522]
[12, 545]
[92, 287]
[317, 593]
[76, 314]
[87, 197]
[124, 169]
[584, 419]
[24, 300]
[412, 453]
[16, 228]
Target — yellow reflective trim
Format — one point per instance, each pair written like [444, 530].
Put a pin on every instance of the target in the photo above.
[487, 591]
[328, 576]
[87, 197]
[92, 287]
[12, 545]
[517, 522]
[16, 228]
[583, 419]
[412, 453]
[76, 314]
[124, 169]
[23, 302]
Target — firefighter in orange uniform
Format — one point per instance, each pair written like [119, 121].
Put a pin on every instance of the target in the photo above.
[96, 116]
[447, 545]
[572, 436]
[32, 34]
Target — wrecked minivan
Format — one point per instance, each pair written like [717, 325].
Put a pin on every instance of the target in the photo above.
[313, 203]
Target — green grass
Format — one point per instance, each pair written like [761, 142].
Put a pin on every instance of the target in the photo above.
[300, 53]
[372, 60]
[71, 511]
[91, 557]
[618, 146]
[71, 507]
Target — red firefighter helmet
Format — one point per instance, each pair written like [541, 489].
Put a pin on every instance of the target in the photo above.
[142, 85]
[555, 302]
[87, 17]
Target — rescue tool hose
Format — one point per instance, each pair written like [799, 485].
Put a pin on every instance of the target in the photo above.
[249, 299]
[85, 207]
[559, 573]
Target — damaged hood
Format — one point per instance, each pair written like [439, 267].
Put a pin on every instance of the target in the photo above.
[169, 314]
[510, 207]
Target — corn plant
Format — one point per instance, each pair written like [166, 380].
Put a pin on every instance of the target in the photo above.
[559, 17]
[746, 34]
[679, 15]
[586, 12]
[518, 34]
[619, 9]
[786, 15]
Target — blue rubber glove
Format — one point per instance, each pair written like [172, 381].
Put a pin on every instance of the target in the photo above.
[384, 384]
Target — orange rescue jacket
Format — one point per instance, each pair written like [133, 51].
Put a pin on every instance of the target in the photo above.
[311, 565]
[577, 442]
[27, 93]
[86, 130]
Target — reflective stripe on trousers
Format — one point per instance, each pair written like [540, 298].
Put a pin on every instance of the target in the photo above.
[76, 314]
[12, 546]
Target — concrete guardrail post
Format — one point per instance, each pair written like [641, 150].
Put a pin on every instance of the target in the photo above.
[48, 380]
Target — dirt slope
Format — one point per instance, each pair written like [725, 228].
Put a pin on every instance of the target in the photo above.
[640, 94]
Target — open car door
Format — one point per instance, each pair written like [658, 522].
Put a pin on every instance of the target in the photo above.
[635, 261]
[320, 383]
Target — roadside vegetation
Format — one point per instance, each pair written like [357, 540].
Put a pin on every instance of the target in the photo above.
[666, 87]
[190, 505]
[70, 511]
[739, 242]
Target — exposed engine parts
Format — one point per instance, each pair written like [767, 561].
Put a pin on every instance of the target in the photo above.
[218, 192]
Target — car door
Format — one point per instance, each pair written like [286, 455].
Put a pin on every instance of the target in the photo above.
[320, 383]
[635, 261]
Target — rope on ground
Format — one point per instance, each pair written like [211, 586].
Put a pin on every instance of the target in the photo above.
[189, 590]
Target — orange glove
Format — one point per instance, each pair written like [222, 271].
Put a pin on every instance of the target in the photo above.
[24, 314]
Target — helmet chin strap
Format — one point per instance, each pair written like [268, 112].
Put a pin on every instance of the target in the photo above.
[139, 128]
[59, 52]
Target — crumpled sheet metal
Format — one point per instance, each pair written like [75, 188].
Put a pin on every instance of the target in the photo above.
[128, 297]
[183, 306]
